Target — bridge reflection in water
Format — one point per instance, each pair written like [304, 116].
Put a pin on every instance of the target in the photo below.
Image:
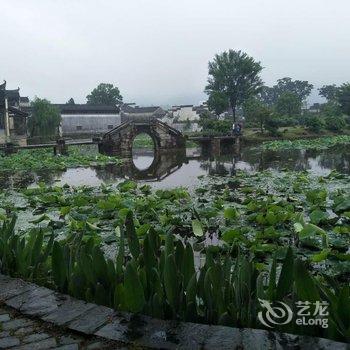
[165, 164]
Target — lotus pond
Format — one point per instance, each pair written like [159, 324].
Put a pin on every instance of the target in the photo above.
[261, 224]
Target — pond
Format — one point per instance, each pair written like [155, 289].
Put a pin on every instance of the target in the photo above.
[264, 212]
[175, 169]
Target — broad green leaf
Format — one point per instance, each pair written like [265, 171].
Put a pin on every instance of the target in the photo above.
[197, 228]
[285, 280]
[134, 294]
[133, 240]
[305, 284]
[230, 213]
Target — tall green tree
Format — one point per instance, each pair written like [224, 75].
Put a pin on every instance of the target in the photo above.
[256, 111]
[329, 92]
[268, 95]
[218, 102]
[105, 94]
[288, 104]
[45, 118]
[235, 75]
[344, 98]
[300, 88]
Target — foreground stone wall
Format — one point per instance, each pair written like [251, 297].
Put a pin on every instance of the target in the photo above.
[141, 331]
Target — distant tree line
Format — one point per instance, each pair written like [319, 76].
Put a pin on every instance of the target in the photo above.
[234, 81]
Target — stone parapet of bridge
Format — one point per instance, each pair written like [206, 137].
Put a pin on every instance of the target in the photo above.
[119, 141]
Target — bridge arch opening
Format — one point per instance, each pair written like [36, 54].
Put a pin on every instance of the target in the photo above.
[144, 147]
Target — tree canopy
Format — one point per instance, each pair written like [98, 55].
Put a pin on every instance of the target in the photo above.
[45, 118]
[288, 104]
[218, 102]
[236, 76]
[105, 94]
[329, 92]
[344, 98]
[256, 111]
[300, 88]
[268, 95]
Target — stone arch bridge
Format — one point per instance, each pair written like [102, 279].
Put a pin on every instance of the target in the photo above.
[119, 141]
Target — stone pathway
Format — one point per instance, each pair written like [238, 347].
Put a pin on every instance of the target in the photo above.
[23, 333]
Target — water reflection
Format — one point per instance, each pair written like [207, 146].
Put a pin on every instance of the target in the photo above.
[166, 170]
[140, 162]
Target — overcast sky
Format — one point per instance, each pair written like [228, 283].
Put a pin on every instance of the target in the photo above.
[157, 51]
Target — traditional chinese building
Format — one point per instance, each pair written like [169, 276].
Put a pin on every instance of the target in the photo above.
[141, 114]
[85, 120]
[13, 119]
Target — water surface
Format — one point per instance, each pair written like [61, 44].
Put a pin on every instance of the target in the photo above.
[184, 169]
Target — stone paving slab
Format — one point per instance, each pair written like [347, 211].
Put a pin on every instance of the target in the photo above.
[34, 301]
[92, 320]
[88, 321]
[11, 287]
[35, 334]
[67, 309]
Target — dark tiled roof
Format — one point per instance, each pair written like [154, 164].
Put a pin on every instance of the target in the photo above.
[183, 106]
[24, 99]
[127, 108]
[12, 94]
[17, 112]
[140, 110]
[87, 109]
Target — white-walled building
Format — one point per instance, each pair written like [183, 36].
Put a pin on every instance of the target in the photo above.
[185, 118]
[185, 113]
[89, 120]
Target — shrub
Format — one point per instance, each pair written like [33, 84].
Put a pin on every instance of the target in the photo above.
[287, 121]
[215, 127]
[271, 125]
[335, 123]
[347, 120]
[331, 109]
[314, 123]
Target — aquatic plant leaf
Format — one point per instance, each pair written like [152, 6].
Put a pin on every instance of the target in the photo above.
[133, 290]
[304, 283]
[321, 256]
[171, 281]
[59, 266]
[285, 280]
[310, 229]
[230, 213]
[318, 216]
[197, 228]
[133, 240]
[40, 219]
